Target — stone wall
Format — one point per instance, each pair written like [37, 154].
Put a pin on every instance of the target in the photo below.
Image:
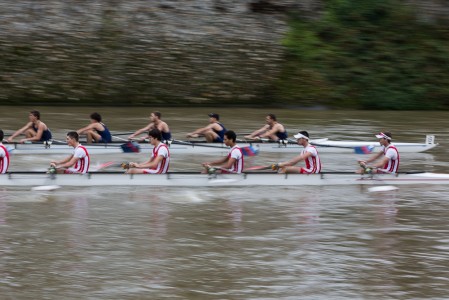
[140, 52]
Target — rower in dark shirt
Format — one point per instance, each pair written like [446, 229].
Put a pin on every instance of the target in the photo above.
[214, 132]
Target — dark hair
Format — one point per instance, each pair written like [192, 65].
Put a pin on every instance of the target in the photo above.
[36, 114]
[272, 117]
[214, 115]
[388, 134]
[73, 135]
[231, 135]
[157, 114]
[305, 133]
[155, 133]
[95, 116]
[1, 135]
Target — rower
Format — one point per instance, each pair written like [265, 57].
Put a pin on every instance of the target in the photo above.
[155, 122]
[4, 155]
[159, 160]
[35, 130]
[77, 162]
[214, 132]
[96, 131]
[309, 155]
[272, 130]
[233, 162]
[389, 153]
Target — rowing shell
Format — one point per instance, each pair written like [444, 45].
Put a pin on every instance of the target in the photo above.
[180, 147]
[186, 179]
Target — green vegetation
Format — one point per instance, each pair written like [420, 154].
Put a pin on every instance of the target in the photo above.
[368, 54]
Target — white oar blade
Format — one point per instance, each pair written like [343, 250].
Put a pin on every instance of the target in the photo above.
[382, 188]
[45, 188]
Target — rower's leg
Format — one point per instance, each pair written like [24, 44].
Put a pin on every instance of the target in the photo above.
[89, 137]
[290, 170]
[210, 136]
[135, 171]
[273, 137]
[30, 133]
[93, 136]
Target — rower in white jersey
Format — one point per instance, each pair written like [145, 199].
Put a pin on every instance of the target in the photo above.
[76, 163]
[390, 161]
[4, 155]
[233, 162]
[309, 155]
[159, 160]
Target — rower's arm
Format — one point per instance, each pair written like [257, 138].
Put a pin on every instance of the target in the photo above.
[276, 128]
[381, 163]
[62, 163]
[141, 130]
[91, 126]
[70, 163]
[374, 157]
[200, 131]
[216, 162]
[295, 160]
[20, 131]
[37, 137]
[152, 163]
[230, 162]
[257, 132]
[271, 132]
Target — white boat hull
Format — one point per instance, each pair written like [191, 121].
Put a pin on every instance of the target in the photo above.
[205, 180]
[323, 146]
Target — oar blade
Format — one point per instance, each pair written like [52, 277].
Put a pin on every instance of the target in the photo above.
[382, 188]
[130, 147]
[45, 188]
[249, 151]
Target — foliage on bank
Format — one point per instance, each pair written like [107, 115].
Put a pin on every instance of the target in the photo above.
[370, 54]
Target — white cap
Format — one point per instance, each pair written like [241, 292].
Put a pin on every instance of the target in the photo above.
[382, 135]
[299, 135]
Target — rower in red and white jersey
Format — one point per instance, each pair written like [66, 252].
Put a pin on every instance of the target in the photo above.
[4, 155]
[76, 163]
[231, 163]
[159, 160]
[390, 161]
[309, 155]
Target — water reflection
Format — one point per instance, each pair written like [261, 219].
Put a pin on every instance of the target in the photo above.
[232, 243]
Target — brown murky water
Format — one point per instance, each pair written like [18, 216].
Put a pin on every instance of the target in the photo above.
[224, 243]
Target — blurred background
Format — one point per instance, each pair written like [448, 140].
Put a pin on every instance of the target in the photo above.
[361, 54]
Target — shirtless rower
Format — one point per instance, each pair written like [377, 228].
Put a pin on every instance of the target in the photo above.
[4, 155]
[233, 162]
[159, 160]
[35, 130]
[96, 131]
[77, 162]
[389, 153]
[273, 130]
[155, 122]
[214, 132]
[309, 155]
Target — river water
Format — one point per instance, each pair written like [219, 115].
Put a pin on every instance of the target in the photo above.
[229, 243]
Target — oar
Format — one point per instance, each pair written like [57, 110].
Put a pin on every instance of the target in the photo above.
[52, 187]
[382, 188]
[367, 149]
[105, 165]
[201, 144]
[122, 133]
[48, 187]
[259, 168]
[120, 139]
[213, 169]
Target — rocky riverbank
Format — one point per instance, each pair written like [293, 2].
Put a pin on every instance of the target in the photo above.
[145, 52]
